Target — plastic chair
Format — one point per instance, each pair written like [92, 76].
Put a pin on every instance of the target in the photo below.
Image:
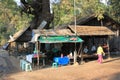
[23, 65]
[28, 67]
[21, 61]
[54, 65]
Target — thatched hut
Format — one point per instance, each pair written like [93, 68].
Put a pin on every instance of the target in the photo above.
[92, 35]
[108, 22]
[60, 39]
[18, 43]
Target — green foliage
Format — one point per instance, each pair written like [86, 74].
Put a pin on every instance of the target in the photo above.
[99, 10]
[10, 19]
[114, 9]
[64, 13]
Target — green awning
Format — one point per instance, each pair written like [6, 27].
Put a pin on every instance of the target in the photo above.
[59, 39]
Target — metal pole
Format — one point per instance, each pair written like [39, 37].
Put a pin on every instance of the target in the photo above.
[75, 52]
[75, 16]
[108, 47]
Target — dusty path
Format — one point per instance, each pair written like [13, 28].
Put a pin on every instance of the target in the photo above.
[89, 71]
[109, 70]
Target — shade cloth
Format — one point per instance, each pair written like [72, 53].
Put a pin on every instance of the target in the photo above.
[59, 39]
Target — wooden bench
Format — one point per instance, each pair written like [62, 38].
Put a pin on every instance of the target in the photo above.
[89, 55]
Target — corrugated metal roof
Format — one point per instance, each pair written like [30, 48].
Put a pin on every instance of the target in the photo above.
[91, 30]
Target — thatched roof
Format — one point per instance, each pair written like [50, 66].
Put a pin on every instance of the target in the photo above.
[53, 32]
[91, 30]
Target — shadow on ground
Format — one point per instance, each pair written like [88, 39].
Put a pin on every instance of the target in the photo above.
[112, 60]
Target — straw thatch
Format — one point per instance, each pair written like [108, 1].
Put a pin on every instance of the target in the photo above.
[54, 32]
[91, 30]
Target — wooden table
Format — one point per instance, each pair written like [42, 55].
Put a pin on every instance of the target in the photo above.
[41, 57]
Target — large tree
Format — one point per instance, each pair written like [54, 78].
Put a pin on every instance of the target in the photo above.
[114, 9]
[10, 19]
[65, 12]
[37, 12]
[40, 9]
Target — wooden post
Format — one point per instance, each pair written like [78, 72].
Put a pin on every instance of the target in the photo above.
[108, 48]
[37, 48]
[81, 56]
[75, 56]
[9, 49]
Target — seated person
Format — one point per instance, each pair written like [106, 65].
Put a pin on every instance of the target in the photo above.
[62, 56]
[85, 50]
[54, 50]
[70, 56]
[105, 48]
[93, 49]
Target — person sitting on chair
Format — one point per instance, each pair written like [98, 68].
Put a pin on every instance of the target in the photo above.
[105, 47]
[93, 49]
[85, 50]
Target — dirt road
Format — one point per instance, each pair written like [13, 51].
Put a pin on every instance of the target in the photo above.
[109, 70]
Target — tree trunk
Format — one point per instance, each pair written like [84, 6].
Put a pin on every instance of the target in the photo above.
[40, 9]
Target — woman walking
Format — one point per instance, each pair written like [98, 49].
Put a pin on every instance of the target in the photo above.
[100, 53]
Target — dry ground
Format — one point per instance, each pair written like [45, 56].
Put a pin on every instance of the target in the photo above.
[109, 70]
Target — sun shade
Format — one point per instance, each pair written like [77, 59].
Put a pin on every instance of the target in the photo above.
[59, 39]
